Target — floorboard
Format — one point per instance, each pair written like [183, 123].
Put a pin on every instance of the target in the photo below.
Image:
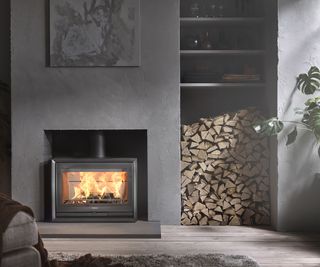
[267, 247]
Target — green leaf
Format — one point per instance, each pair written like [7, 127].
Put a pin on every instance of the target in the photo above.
[309, 82]
[314, 122]
[269, 127]
[292, 136]
[312, 103]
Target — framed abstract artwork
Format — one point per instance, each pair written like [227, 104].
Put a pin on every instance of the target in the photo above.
[97, 33]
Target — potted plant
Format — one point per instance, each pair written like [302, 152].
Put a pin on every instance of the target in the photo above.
[308, 84]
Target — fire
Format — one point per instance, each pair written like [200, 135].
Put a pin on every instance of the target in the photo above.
[99, 184]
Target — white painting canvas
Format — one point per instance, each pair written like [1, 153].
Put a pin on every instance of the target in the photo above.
[94, 33]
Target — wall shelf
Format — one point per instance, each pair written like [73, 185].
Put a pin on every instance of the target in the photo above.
[238, 45]
[221, 85]
[225, 20]
[221, 52]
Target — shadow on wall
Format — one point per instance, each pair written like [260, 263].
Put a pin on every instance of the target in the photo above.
[299, 187]
[5, 185]
[5, 181]
[5, 127]
[300, 208]
[5, 40]
[302, 46]
[283, 4]
[304, 51]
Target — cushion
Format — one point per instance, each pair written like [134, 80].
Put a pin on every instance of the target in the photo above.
[21, 232]
[25, 257]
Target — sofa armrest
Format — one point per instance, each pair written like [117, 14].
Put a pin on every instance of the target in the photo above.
[21, 232]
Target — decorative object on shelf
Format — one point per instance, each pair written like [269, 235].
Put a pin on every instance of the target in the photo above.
[249, 75]
[225, 171]
[195, 9]
[201, 77]
[212, 9]
[244, 7]
[249, 69]
[206, 42]
[202, 68]
[201, 73]
[234, 78]
[221, 9]
[191, 42]
[308, 84]
[94, 33]
[209, 8]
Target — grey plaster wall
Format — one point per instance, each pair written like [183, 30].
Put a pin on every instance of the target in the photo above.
[98, 98]
[4, 76]
[299, 48]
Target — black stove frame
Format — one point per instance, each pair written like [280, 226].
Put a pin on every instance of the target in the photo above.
[93, 212]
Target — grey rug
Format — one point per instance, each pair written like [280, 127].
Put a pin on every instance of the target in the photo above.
[211, 260]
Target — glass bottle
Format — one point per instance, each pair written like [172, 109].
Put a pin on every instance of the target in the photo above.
[213, 9]
[195, 9]
[205, 9]
[206, 43]
[221, 10]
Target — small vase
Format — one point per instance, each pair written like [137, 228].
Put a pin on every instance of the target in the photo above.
[221, 10]
[206, 43]
[213, 10]
[195, 9]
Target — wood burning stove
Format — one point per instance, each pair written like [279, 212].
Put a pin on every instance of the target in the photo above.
[94, 189]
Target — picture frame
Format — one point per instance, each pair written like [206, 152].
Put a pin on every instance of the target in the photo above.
[94, 33]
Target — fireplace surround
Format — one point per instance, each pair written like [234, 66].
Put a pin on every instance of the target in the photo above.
[96, 176]
[113, 99]
[93, 189]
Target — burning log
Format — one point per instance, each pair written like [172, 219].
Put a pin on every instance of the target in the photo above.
[225, 171]
[96, 188]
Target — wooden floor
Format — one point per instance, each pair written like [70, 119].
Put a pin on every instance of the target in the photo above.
[267, 247]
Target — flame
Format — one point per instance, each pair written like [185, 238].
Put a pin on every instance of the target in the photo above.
[98, 184]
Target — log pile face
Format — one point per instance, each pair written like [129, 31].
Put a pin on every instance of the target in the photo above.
[225, 172]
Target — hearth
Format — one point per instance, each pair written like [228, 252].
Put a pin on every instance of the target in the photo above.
[93, 189]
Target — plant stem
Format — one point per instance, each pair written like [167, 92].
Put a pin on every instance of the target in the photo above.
[300, 123]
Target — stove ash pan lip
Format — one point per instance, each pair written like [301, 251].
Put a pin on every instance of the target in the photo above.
[93, 212]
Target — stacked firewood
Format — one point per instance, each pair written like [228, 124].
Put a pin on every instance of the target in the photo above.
[225, 171]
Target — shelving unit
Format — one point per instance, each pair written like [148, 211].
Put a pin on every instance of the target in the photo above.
[242, 53]
[234, 52]
[221, 85]
[224, 20]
